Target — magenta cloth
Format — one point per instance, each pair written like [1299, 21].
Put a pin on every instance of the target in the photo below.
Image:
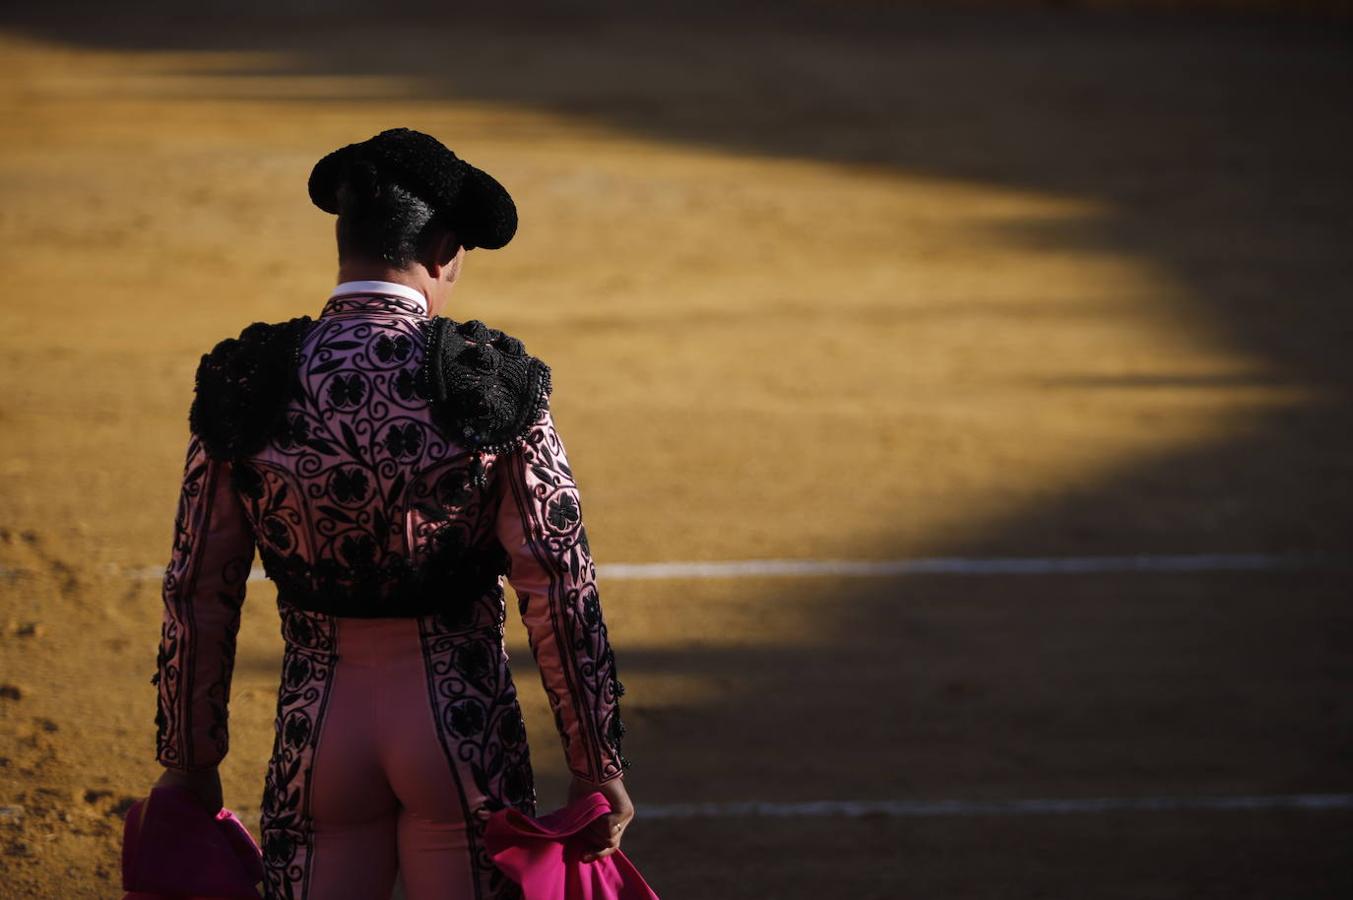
[540, 855]
[173, 848]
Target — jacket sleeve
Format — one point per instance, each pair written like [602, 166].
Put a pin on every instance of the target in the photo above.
[203, 591]
[551, 570]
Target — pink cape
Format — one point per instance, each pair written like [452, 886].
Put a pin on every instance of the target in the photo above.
[539, 854]
[172, 847]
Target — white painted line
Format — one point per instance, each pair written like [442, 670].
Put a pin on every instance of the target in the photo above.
[935, 808]
[935, 565]
[952, 565]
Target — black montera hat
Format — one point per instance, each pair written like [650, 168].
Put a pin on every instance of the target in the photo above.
[472, 202]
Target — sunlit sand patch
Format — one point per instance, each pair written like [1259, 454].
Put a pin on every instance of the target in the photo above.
[928, 335]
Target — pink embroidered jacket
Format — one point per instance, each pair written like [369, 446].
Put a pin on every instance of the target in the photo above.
[353, 502]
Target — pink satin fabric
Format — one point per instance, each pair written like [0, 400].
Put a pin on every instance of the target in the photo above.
[544, 855]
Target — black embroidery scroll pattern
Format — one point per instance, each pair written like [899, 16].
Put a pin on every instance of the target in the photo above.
[307, 676]
[366, 304]
[168, 723]
[332, 493]
[454, 543]
[176, 659]
[171, 735]
[235, 576]
[454, 563]
[559, 543]
[480, 725]
[361, 505]
[452, 511]
[345, 409]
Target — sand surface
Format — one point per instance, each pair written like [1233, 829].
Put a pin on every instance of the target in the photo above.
[844, 282]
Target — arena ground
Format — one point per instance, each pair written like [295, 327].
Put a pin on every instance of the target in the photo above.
[846, 282]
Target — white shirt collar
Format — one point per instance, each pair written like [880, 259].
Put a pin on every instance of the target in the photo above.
[382, 287]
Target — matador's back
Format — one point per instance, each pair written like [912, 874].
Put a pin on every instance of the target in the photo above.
[384, 463]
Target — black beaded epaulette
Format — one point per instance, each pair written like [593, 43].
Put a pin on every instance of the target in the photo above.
[484, 388]
[243, 386]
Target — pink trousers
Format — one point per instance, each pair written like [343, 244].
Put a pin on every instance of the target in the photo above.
[395, 740]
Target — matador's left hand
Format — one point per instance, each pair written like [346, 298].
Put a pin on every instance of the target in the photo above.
[205, 785]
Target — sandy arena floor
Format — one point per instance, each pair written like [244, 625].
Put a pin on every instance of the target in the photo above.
[865, 284]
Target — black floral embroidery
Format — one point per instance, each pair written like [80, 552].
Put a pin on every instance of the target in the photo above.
[359, 551]
[591, 609]
[346, 390]
[203, 596]
[398, 348]
[218, 690]
[169, 736]
[467, 719]
[344, 553]
[406, 385]
[277, 532]
[563, 511]
[550, 494]
[458, 561]
[297, 432]
[483, 734]
[365, 451]
[403, 440]
[349, 486]
[308, 660]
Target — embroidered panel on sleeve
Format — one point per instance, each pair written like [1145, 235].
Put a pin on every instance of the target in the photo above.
[554, 575]
[203, 591]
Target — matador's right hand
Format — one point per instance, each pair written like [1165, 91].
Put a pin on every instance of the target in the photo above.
[602, 834]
